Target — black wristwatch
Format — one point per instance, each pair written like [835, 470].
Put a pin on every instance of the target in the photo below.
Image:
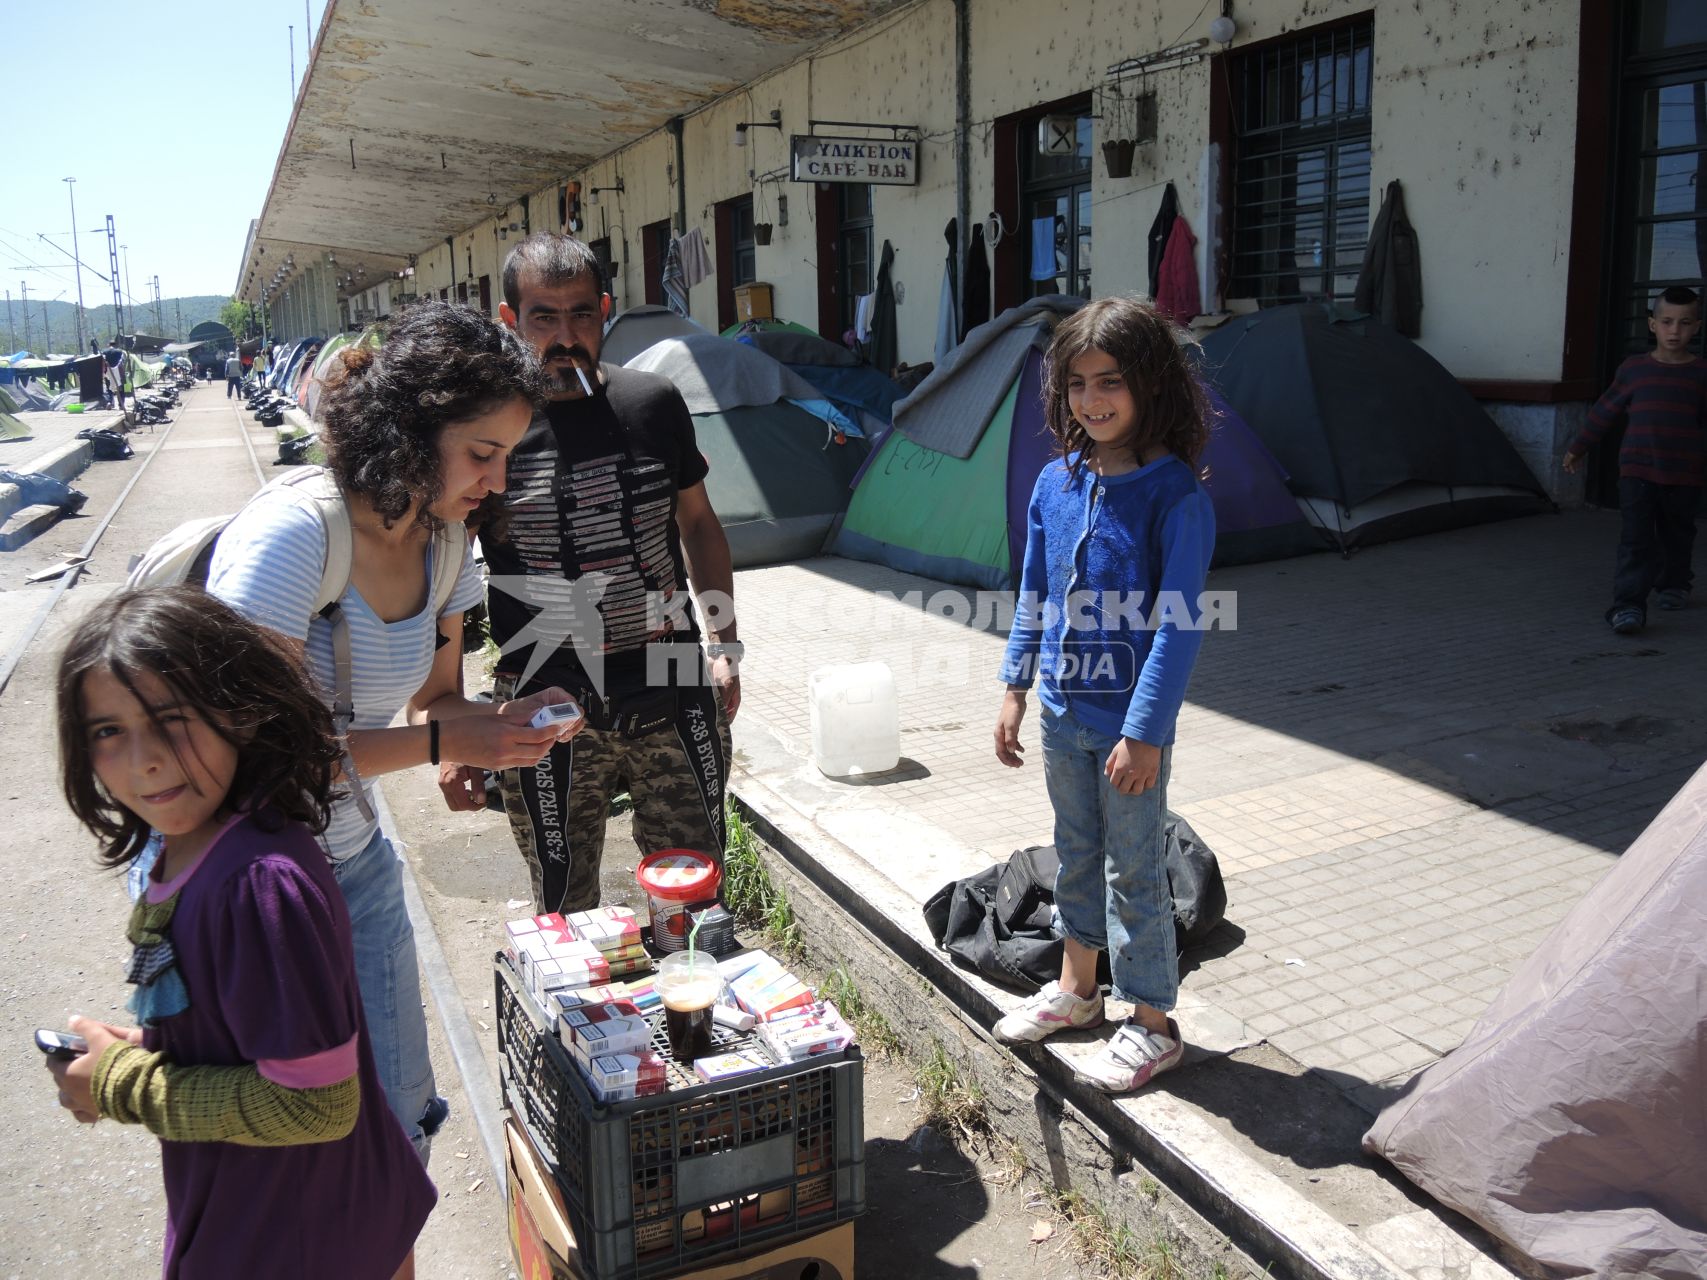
[734, 650]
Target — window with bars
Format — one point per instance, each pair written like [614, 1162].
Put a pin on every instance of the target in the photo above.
[1301, 166]
[1055, 196]
[746, 254]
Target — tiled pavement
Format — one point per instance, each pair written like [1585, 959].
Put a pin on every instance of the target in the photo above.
[1410, 763]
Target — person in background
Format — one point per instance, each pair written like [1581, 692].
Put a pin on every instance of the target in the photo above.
[1661, 397]
[114, 372]
[1120, 515]
[252, 1062]
[233, 374]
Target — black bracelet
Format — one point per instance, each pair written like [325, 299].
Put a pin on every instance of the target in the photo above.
[432, 742]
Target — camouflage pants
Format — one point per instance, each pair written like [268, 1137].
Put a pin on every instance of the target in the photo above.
[558, 808]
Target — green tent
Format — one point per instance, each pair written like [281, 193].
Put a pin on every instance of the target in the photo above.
[902, 512]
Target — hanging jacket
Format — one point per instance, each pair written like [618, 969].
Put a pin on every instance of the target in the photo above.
[1159, 230]
[1389, 284]
[1177, 295]
[975, 284]
[948, 307]
[885, 340]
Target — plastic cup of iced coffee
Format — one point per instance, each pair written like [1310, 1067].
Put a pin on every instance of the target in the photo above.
[688, 984]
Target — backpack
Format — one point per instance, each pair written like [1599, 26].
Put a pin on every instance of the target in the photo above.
[185, 554]
[998, 922]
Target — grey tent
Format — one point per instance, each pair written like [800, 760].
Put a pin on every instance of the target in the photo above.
[1378, 440]
[640, 327]
[782, 467]
[1572, 1121]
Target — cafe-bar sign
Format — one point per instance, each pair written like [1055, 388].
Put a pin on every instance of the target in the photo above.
[888, 163]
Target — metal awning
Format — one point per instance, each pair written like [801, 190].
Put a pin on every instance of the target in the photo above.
[411, 116]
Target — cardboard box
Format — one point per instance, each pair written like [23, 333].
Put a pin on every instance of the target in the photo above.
[753, 302]
[832, 1251]
[540, 1237]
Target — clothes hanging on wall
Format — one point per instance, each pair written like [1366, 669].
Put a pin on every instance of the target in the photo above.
[1389, 284]
[975, 286]
[1159, 230]
[948, 308]
[696, 261]
[675, 287]
[1177, 293]
[1043, 236]
[885, 338]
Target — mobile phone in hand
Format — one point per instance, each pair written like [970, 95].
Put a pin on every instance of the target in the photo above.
[61, 1045]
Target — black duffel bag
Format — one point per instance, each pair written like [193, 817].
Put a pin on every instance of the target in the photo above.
[997, 922]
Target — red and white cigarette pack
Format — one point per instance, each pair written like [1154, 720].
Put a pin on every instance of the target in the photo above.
[817, 1029]
[594, 1030]
[610, 929]
[616, 1077]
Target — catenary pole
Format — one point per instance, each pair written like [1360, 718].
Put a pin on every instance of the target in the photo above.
[71, 190]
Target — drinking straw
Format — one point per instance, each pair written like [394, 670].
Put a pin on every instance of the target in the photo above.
[693, 941]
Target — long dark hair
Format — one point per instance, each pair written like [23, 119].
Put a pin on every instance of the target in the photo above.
[385, 407]
[1151, 353]
[233, 673]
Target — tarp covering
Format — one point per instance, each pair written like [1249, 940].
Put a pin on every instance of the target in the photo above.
[1572, 1121]
[1366, 423]
[842, 377]
[640, 327]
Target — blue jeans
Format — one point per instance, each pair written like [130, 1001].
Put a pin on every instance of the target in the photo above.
[390, 982]
[1111, 893]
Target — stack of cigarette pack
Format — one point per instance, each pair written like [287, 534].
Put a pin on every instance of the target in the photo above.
[616, 933]
[591, 1030]
[616, 1077]
[551, 958]
[762, 986]
[806, 1032]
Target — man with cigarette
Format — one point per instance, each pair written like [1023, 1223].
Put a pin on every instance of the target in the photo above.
[604, 527]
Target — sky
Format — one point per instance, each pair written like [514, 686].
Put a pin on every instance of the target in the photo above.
[169, 116]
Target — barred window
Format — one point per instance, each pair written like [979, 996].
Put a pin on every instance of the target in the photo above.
[1301, 166]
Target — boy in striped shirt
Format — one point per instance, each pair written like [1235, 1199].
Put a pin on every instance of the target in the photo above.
[1662, 398]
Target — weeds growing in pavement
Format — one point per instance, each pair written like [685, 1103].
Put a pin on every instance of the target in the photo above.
[875, 1033]
[753, 898]
[1111, 1245]
[948, 1099]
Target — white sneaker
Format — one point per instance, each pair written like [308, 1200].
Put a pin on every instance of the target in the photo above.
[1047, 1012]
[1132, 1058]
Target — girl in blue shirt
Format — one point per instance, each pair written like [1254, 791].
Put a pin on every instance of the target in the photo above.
[1118, 545]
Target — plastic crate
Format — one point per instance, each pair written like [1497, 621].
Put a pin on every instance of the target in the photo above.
[656, 1184]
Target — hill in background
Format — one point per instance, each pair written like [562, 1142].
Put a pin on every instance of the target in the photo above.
[98, 322]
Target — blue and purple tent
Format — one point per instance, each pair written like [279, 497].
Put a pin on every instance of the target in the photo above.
[946, 494]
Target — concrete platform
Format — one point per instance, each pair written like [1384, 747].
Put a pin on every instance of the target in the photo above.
[1410, 765]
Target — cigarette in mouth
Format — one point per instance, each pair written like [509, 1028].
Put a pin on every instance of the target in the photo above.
[586, 386]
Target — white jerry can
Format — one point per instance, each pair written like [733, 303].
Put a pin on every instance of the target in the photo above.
[856, 724]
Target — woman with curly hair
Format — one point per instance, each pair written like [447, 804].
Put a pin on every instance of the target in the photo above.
[419, 431]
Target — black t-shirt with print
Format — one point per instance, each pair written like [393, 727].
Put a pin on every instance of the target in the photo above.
[592, 505]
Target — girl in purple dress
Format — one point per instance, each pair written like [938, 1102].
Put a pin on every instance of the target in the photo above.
[251, 1061]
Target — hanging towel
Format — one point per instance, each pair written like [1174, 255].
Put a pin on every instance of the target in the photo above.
[975, 284]
[1389, 284]
[948, 310]
[675, 287]
[1159, 230]
[696, 262]
[1177, 295]
[864, 307]
[1043, 249]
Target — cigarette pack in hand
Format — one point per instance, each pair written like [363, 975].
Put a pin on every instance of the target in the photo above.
[560, 715]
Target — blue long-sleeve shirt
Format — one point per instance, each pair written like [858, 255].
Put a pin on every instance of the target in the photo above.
[1110, 596]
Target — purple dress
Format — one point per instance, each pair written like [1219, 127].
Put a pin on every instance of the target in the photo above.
[263, 946]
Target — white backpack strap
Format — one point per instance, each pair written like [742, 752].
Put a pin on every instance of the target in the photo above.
[450, 543]
[315, 487]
